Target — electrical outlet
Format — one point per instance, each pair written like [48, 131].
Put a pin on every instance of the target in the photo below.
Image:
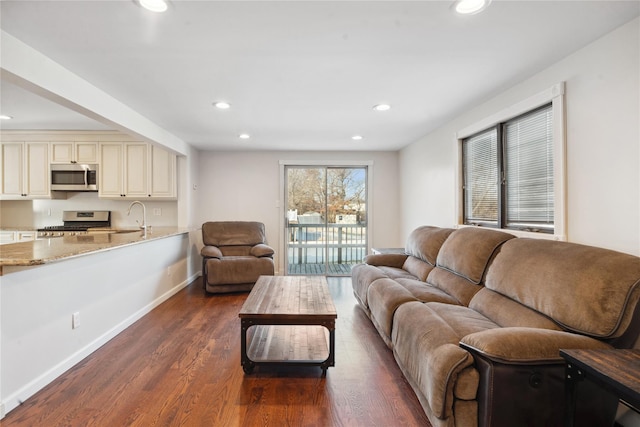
[75, 320]
[169, 271]
[157, 211]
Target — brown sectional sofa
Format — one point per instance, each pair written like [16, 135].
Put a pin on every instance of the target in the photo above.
[476, 318]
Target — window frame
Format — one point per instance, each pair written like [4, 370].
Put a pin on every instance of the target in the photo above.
[554, 96]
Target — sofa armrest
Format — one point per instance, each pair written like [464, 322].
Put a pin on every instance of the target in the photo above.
[261, 250]
[519, 345]
[386, 260]
[211, 252]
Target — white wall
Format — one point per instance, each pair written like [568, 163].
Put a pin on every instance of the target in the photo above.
[188, 170]
[603, 146]
[244, 186]
[110, 290]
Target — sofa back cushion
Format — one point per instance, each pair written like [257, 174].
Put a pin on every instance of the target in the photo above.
[468, 251]
[233, 233]
[588, 290]
[417, 267]
[463, 259]
[425, 242]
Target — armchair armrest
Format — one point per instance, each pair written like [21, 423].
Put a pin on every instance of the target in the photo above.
[386, 260]
[211, 252]
[526, 345]
[261, 250]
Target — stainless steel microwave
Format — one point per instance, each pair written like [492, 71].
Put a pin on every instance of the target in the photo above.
[74, 177]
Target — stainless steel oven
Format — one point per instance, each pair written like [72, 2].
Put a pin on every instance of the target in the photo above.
[74, 177]
[77, 223]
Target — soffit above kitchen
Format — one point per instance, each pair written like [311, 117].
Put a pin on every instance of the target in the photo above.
[298, 75]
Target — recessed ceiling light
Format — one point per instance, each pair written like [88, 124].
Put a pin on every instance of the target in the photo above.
[469, 7]
[244, 136]
[356, 137]
[382, 107]
[5, 117]
[222, 105]
[154, 5]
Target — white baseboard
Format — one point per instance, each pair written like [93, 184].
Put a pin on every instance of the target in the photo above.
[16, 399]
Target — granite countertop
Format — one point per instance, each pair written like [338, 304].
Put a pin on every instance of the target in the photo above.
[29, 228]
[54, 249]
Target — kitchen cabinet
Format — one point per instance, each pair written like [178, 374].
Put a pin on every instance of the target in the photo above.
[25, 170]
[74, 152]
[162, 173]
[7, 237]
[111, 174]
[136, 171]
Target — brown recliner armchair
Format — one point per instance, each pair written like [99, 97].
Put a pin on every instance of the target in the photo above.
[234, 255]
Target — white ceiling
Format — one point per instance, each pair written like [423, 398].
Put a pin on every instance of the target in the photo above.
[300, 75]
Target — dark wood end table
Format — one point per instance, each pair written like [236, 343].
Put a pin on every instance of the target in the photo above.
[288, 320]
[617, 371]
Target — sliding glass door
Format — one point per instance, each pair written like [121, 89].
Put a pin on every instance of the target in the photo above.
[326, 219]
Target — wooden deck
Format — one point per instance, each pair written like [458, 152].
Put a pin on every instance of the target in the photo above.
[313, 269]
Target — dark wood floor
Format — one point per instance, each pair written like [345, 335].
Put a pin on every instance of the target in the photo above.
[180, 366]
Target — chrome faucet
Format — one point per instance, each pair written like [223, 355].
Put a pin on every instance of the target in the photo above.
[143, 226]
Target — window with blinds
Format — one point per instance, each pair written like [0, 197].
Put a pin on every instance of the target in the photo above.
[528, 171]
[508, 174]
[480, 160]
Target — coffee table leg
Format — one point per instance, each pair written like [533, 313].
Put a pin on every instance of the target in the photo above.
[331, 359]
[247, 364]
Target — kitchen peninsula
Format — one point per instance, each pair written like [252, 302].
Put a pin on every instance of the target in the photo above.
[47, 250]
[61, 298]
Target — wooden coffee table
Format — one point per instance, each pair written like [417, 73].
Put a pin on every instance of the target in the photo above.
[288, 320]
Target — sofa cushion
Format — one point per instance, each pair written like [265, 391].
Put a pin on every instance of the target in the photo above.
[425, 292]
[425, 344]
[509, 313]
[262, 250]
[389, 260]
[362, 276]
[417, 268]
[588, 290]
[425, 242]
[384, 297]
[468, 251]
[527, 345]
[239, 250]
[460, 288]
[396, 273]
[211, 252]
[224, 233]
[235, 270]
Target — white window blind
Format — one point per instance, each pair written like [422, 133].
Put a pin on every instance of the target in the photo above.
[481, 177]
[528, 170]
[508, 173]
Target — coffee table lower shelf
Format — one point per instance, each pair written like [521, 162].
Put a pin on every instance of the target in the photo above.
[306, 345]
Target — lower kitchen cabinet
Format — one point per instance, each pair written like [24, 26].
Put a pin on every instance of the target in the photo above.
[8, 236]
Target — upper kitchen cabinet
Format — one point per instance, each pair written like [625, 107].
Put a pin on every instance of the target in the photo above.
[74, 152]
[162, 174]
[25, 170]
[136, 170]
